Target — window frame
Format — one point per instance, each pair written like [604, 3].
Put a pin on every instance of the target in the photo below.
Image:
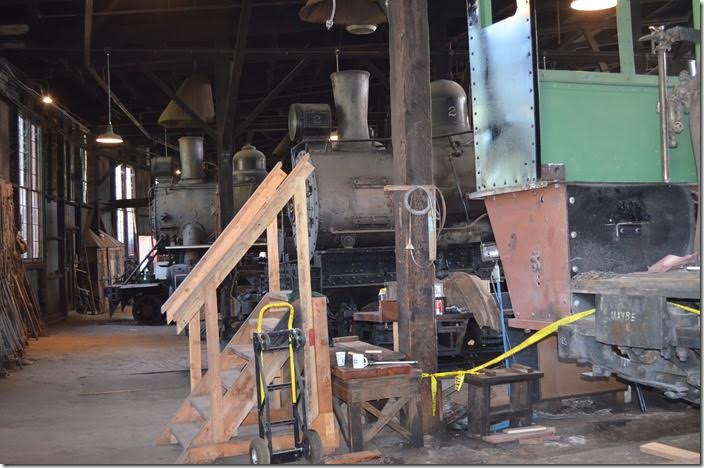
[124, 188]
[30, 188]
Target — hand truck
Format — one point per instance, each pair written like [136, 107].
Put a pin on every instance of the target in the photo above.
[307, 442]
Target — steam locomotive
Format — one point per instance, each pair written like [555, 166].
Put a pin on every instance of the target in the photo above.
[349, 215]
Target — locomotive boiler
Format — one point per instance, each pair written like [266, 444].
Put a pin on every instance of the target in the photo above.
[184, 220]
[350, 216]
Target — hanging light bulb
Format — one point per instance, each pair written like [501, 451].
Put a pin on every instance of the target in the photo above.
[47, 99]
[592, 5]
[109, 137]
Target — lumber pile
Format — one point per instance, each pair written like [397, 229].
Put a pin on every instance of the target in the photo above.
[20, 318]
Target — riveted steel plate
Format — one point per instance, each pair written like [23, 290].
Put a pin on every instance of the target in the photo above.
[530, 228]
[504, 102]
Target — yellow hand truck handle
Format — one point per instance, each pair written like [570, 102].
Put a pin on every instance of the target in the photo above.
[262, 311]
[275, 305]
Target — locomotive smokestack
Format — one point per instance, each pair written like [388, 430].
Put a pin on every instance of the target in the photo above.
[351, 92]
[191, 153]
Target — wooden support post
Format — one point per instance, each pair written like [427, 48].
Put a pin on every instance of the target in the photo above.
[213, 343]
[87, 32]
[272, 255]
[300, 207]
[194, 350]
[413, 165]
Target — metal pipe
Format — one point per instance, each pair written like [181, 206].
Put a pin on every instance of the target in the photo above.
[662, 90]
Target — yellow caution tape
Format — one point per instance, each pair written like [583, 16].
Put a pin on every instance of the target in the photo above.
[531, 340]
[684, 307]
[534, 338]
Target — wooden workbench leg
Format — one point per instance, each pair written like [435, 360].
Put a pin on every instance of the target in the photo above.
[414, 415]
[478, 408]
[356, 432]
[521, 404]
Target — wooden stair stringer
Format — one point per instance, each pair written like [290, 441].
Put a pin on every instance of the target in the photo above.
[239, 400]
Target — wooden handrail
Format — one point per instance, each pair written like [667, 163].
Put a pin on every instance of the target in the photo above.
[233, 243]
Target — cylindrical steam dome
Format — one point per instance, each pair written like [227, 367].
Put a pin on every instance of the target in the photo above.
[191, 153]
[248, 165]
[449, 108]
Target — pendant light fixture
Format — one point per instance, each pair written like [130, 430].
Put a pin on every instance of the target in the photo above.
[109, 137]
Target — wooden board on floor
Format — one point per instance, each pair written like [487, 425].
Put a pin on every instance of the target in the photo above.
[352, 458]
[669, 452]
[503, 438]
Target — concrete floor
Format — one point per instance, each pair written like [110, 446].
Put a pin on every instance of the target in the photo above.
[101, 391]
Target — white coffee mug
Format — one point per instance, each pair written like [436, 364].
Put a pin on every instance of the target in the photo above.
[359, 361]
[340, 356]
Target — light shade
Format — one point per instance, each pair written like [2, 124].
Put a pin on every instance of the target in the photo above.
[361, 29]
[109, 137]
[592, 5]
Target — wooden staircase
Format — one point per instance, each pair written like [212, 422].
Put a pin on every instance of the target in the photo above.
[219, 418]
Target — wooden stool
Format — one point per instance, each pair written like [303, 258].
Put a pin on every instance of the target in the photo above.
[523, 381]
[399, 385]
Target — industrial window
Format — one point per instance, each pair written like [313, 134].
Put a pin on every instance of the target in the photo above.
[30, 186]
[126, 221]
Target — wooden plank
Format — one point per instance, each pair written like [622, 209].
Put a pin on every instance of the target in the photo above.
[236, 246]
[344, 339]
[208, 453]
[194, 354]
[525, 430]
[680, 284]
[300, 207]
[213, 347]
[671, 453]
[348, 373]
[219, 248]
[362, 347]
[503, 438]
[354, 457]
[272, 255]
[371, 316]
[324, 424]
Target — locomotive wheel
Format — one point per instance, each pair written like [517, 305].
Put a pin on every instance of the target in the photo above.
[313, 447]
[259, 452]
[146, 309]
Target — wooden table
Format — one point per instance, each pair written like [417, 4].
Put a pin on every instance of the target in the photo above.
[523, 380]
[390, 393]
[401, 411]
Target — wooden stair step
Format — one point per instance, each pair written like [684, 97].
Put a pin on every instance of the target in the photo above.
[245, 351]
[185, 432]
[268, 323]
[229, 377]
[203, 405]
